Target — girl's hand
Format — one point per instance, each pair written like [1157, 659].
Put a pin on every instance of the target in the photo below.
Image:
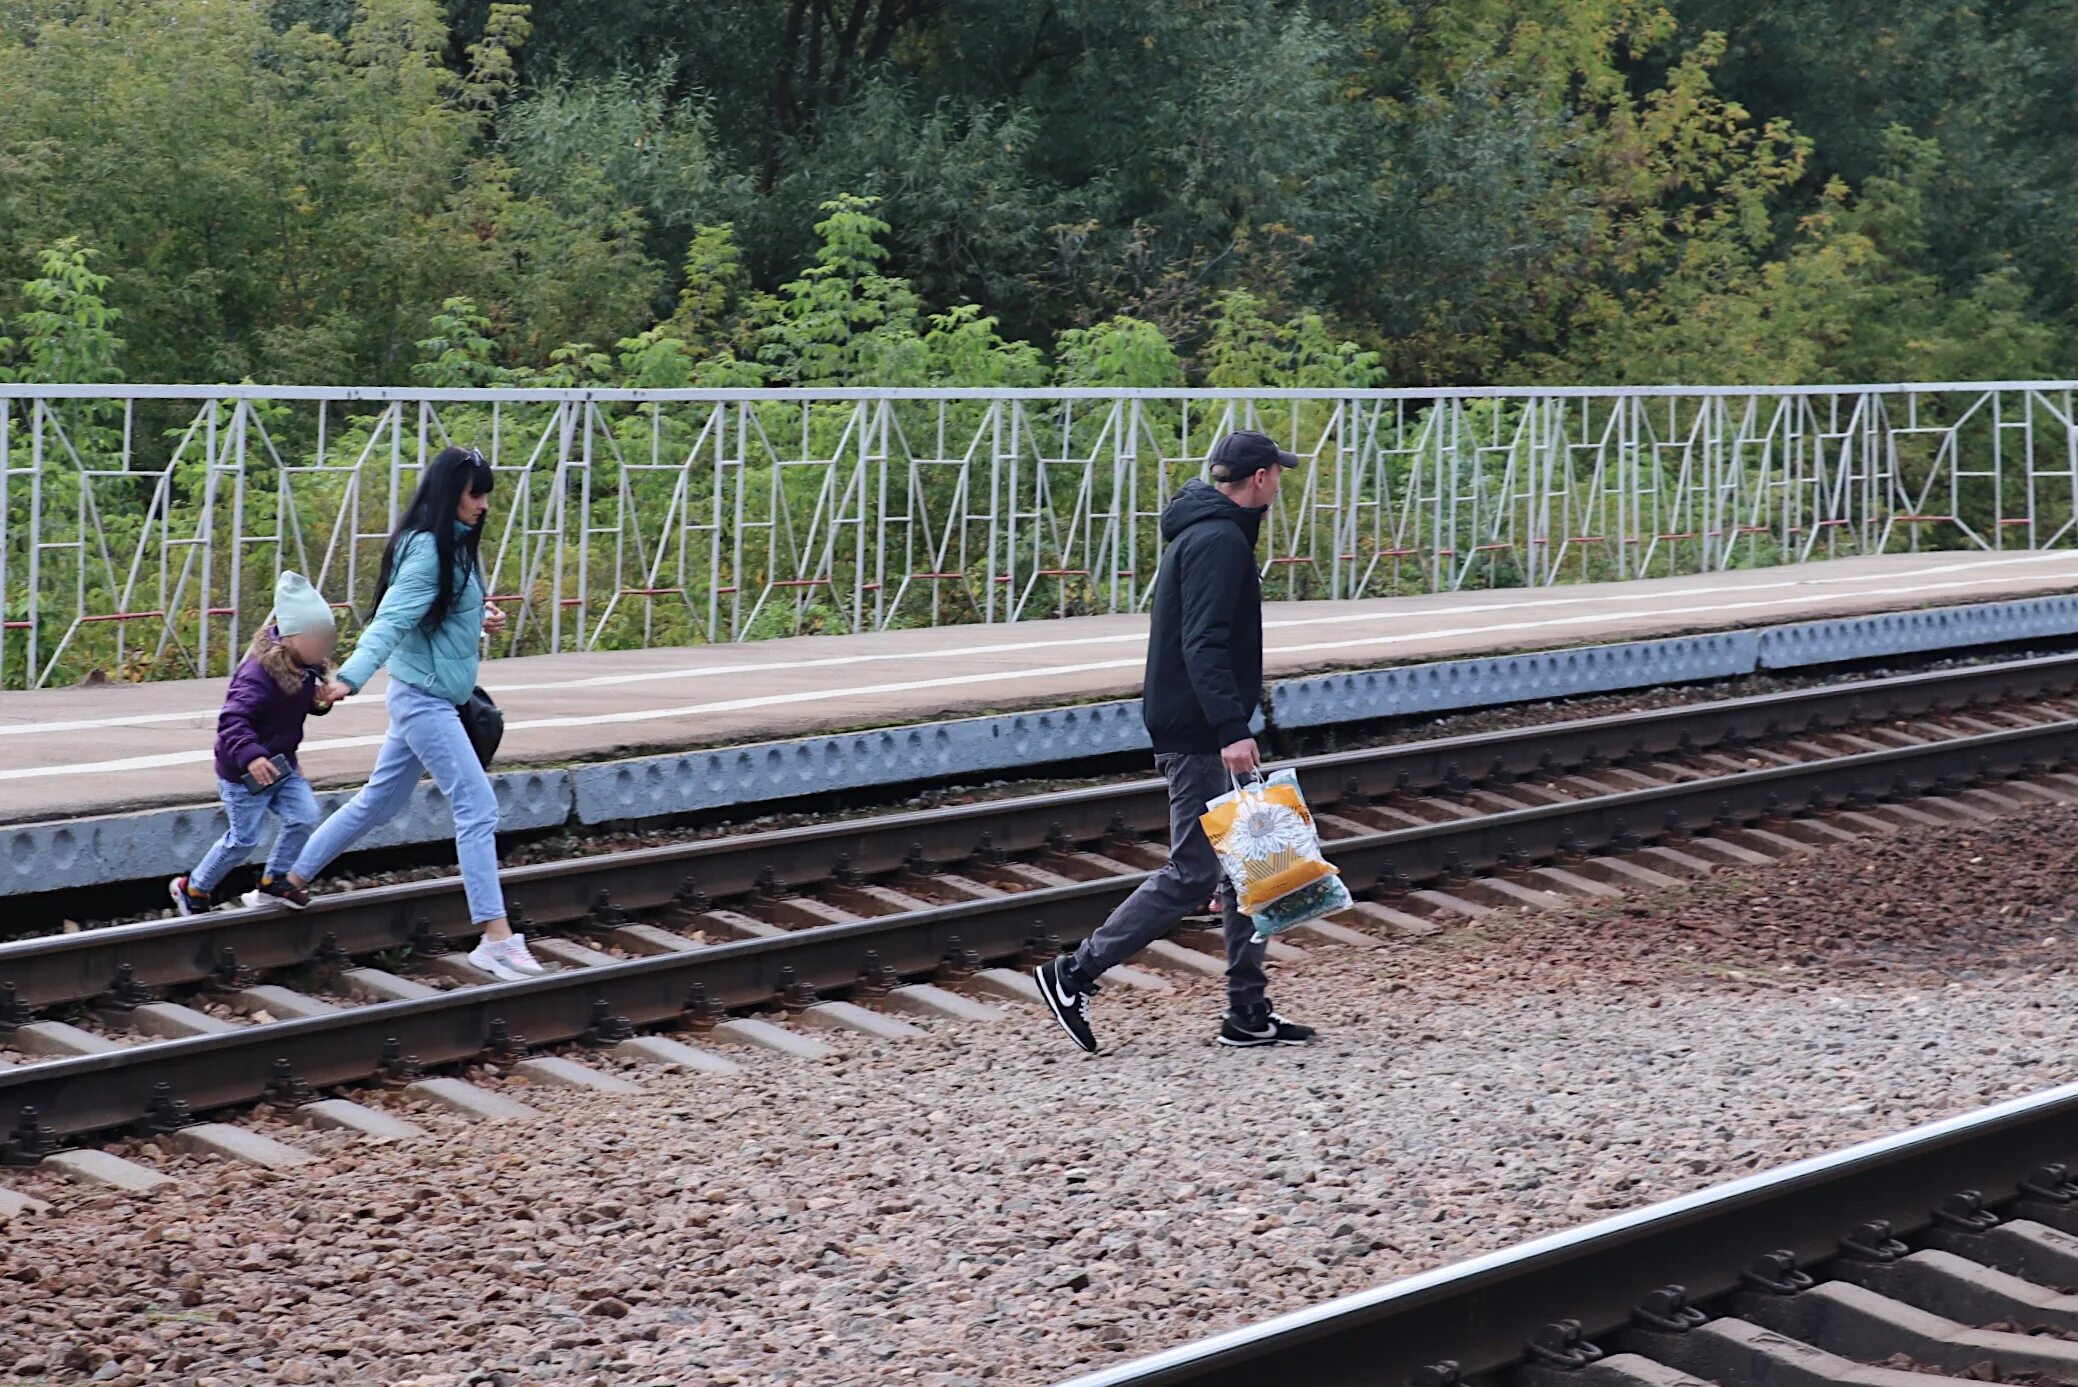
[262, 769]
[493, 619]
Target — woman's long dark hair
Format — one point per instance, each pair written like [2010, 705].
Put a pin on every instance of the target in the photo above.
[452, 472]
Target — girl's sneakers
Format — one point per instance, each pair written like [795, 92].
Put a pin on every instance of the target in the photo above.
[186, 902]
[272, 889]
[506, 959]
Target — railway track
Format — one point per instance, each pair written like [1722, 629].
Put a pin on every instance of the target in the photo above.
[851, 909]
[1940, 1252]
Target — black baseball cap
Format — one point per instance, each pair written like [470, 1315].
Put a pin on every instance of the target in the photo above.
[1244, 453]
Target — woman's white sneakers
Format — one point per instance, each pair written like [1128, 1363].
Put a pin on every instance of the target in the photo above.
[506, 959]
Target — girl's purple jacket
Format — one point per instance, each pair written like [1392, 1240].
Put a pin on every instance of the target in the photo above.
[259, 719]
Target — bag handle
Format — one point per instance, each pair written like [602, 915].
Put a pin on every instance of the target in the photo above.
[1255, 782]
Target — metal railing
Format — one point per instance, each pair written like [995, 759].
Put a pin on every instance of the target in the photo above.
[141, 526]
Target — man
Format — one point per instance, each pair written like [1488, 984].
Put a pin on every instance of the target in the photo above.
[1204, 680]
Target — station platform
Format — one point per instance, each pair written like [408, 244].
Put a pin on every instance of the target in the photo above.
[77, 751]
[627, 735]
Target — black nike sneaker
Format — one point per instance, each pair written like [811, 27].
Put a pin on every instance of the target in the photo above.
[1268, 1029]
[1067, 996]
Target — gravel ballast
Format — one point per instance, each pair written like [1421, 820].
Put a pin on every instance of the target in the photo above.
[986, 1204]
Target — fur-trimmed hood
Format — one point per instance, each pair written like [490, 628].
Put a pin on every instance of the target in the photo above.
[271, 654]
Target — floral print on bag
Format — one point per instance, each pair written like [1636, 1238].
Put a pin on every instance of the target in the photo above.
[1269, 848]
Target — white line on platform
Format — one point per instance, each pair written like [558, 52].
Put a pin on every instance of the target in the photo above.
[736, 705]
[1547, 597]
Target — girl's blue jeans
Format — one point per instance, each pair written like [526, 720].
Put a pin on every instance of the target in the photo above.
[288, 799]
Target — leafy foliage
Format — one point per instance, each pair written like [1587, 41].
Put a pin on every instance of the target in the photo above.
[1251, 192]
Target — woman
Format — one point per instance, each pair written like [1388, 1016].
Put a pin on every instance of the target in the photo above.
[428, 621]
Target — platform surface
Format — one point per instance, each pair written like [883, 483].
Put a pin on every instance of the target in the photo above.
[81, 751]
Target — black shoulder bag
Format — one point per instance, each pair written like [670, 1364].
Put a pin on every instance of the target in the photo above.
[481, 718]
[485, 724]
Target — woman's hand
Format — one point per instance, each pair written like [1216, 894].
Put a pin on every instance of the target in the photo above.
[334, 691]
[493, 619]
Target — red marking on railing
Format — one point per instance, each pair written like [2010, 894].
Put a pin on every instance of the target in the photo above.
[1489, 548]
[652, 592]
[1293, 560]
[800, 582]
[1397, 553]
[508, 597]
[723, 592]
[1681, 534]
[1753, 530]
[126, 616]
[1831, 524]
[213, 611]
[1922, 519]
[17, 625]
[1442, 553]
[1064, 573]
[572, 602]
[1587, 539]
[935, 577]
[2018, 520]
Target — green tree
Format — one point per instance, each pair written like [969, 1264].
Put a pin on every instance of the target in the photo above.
[1249, 348]
[964, 348]
[290, 204]
[717, 308]
[844, 322]
[460, 353]
[68, 330]
[1471, 189]
[1121, 353]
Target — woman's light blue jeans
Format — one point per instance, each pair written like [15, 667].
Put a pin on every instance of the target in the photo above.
[426, 738]
[289, 799]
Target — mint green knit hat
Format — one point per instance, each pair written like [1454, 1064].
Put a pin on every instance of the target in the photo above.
[298, 607]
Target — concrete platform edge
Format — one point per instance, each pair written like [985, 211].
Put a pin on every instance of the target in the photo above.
[71, 853]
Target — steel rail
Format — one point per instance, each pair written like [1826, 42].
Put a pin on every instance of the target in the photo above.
[1480, 1314]
[99, 1092]
[54, 969]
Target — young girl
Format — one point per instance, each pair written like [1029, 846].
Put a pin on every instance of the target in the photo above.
[278, 684]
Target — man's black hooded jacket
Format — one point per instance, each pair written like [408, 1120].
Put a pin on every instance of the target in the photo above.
[1205, 649]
